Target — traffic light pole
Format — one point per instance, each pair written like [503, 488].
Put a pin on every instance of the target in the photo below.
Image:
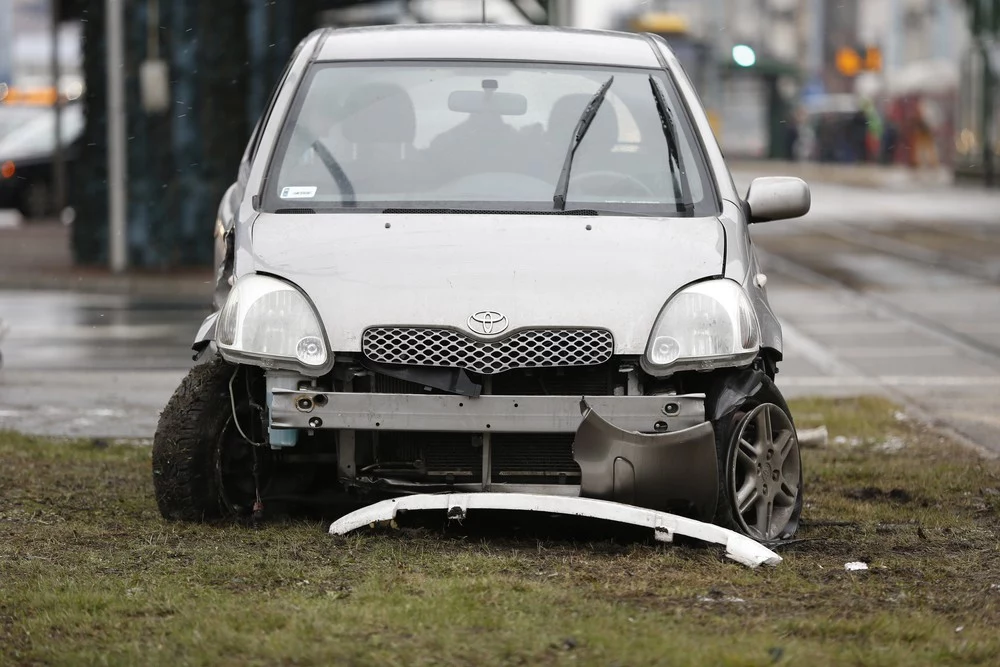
[560, 12]
[58, 155]
[117, 227]
[989, 83]
[985, 19]
[989, 169]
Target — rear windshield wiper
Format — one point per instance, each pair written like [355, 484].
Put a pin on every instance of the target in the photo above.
[582, 125]
[682, 191]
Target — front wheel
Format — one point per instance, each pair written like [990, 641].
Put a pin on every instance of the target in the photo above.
[761, 482]
[203, 469]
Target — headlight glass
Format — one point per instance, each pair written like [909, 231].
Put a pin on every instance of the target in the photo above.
[704, 326]
[268, 318]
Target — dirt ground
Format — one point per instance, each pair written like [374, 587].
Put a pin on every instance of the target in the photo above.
[90, 573]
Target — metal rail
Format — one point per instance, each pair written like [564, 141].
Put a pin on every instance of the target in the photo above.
[910, 251]
[883, 307]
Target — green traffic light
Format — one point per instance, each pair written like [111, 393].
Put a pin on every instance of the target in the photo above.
[744, 56]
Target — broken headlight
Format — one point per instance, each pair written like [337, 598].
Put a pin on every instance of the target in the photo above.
[707, 325]
[267, 322]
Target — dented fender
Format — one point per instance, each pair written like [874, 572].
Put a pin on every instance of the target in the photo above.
[206, 333]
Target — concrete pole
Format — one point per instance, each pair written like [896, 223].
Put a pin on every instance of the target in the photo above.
[894, 37]
[59, 156]
[814, 44]
[117, 175]
[561, 12]
[6, 42]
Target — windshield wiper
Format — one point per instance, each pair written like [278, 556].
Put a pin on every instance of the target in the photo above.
[682, 191]
[338, 173]
[582, 125]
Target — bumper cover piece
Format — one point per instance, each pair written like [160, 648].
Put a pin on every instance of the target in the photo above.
[740, 548]
[649, 470]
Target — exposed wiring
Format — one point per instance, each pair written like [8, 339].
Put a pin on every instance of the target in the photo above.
[236, 419]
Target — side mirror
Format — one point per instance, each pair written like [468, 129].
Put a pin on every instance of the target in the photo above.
[777, 198]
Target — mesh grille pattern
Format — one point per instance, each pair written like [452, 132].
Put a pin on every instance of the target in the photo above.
[533, 455]
[529, 348]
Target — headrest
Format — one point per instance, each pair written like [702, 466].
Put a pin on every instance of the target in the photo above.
[566, 112]
[379, 113]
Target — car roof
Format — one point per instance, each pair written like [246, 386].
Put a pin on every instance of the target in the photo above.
[488, 42]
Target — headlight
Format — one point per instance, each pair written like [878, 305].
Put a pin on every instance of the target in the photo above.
[268, 319]
[704, 326]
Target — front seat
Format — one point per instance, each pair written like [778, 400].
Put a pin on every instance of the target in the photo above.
[380, 126]
[602, 136]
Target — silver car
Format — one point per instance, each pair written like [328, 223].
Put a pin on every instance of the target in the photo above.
[488, 260]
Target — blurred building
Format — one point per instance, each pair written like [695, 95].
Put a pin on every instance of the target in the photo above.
[26, 46]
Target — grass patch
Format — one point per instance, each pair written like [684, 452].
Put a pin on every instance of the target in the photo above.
[89, 574]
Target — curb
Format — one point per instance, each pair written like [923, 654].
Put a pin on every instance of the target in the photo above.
[183, 287]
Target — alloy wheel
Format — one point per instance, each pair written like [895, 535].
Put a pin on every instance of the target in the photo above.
[765, 472]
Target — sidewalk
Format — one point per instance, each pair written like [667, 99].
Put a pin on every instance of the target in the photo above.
[37, 255]
[873, 176]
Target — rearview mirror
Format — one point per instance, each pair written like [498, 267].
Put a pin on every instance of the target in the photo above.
[488, 101]
[777, 198]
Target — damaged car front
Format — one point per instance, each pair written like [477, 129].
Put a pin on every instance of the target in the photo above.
[458, 269]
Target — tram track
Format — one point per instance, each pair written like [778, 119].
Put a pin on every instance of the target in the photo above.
[883, 307]
[913, 252]
[914, 398]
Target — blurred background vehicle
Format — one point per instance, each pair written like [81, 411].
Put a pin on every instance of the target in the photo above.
[27, 152]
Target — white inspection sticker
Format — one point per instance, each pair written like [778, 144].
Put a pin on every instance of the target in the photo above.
[307, 192]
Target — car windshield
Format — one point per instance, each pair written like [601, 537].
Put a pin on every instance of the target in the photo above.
[486, 136]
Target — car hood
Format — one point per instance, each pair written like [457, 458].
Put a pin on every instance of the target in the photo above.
[364, 270]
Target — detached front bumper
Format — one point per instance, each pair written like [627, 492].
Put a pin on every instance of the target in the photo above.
[665, 526]
[656, 452]
[649, 451]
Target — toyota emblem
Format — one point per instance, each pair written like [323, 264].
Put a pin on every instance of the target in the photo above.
[488, 322]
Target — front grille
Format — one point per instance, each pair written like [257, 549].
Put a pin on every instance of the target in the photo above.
[431, 456]
[534, 458]
[584, 381]
[528, 348]
[445, 458]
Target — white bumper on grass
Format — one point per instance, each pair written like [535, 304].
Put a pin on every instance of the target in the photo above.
[740, 548]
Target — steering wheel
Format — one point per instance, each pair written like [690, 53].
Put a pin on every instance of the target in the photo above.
[626, 179]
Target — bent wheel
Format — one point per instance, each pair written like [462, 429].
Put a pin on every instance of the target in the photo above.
[764, 473]
[202, 469]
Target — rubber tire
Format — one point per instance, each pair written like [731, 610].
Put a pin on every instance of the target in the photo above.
[186, 444]
[725, 428]
[34, 200]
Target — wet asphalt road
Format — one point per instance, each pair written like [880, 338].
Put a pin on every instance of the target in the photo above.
[92, 365]
[892, 292]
